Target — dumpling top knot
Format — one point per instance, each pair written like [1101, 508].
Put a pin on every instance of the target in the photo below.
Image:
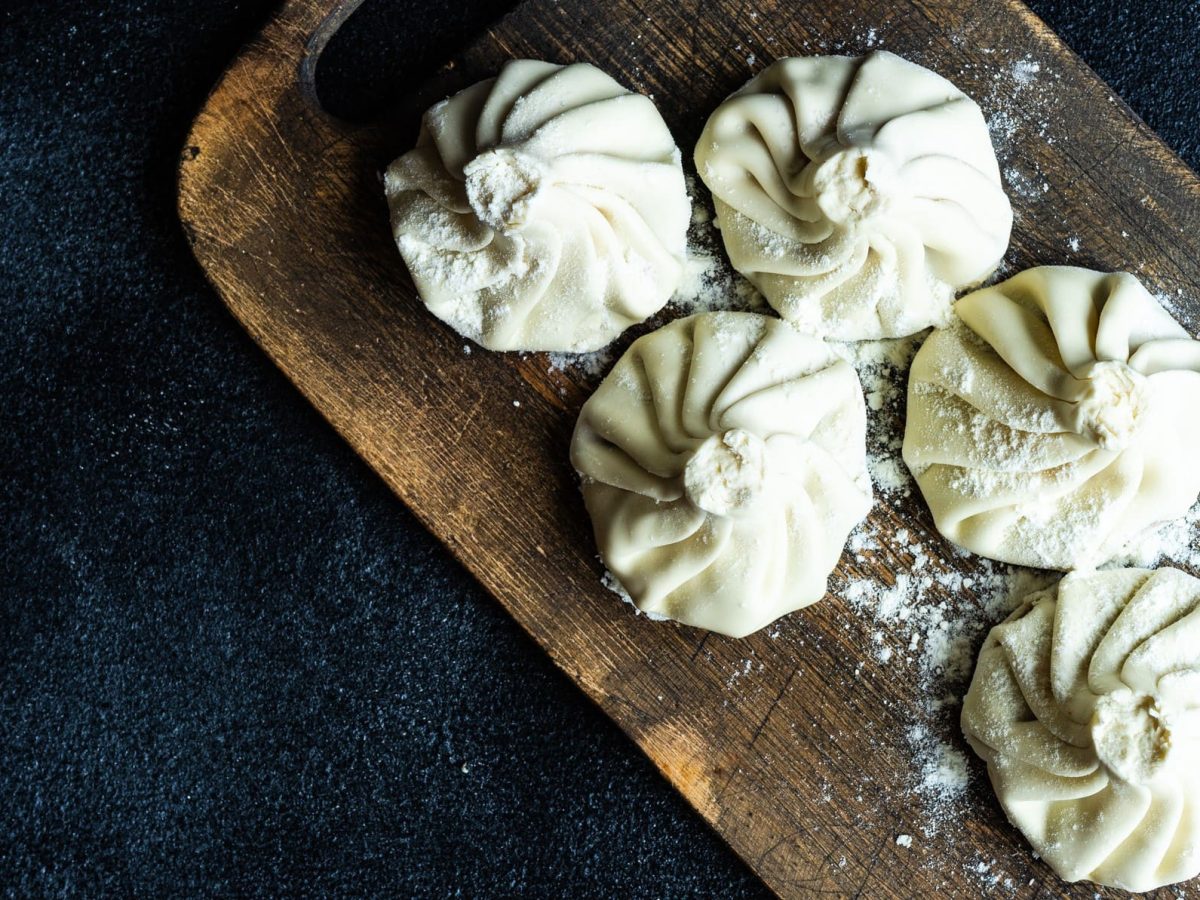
[1132, 736]
[855, 185]
[726, 474]
[502, 187]
[1112, 407]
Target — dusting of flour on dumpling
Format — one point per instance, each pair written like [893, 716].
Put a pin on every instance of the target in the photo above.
[1085, 705]
[1056, 420]
[723, 464]
[858, 194]
[544, 209]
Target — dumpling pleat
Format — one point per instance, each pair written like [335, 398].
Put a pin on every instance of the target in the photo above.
[704, 545]
[1033, 430]
[857, 194]
[1085, 705]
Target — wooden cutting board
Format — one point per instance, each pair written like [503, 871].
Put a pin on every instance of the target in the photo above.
[794, 746]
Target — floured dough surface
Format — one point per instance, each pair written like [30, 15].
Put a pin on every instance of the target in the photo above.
[723, 463]
[1056, 418]
[1086, 706]
[857, 194]
[544, 209]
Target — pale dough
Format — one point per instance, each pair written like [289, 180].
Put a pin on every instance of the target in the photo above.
[723, 463]
[857, 194]
[1057, 418]
[544, 209]
[1086, 706]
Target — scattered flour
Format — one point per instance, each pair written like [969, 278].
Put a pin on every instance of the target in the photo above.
[1007, 93]
[592, 365]
[1174, 543]
[931, 619]
[944, 772]
[932, 616]
[709, 281]
[1002, 125]
[1024, 71]
[1024, 185]
[883, 370]
[742, 669]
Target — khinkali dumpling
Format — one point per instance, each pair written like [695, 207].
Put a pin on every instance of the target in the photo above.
[1057, 418]
[1086, 706]
[857, 194]
[544, 209]
[723, 463]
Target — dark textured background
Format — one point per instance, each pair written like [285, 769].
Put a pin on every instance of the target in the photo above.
[230, 661]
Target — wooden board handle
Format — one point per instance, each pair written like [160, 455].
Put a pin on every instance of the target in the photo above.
[315, 22]
[273, 83]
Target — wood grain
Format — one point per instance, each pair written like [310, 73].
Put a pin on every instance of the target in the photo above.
[800, 759]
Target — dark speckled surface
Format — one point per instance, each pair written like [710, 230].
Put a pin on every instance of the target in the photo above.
[230, 661]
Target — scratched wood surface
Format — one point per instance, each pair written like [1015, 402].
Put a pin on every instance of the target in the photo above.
[795, 747]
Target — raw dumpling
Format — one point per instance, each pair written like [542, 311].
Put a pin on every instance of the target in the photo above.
[723, 463]
[1056, 419]
[857, 194]
[1086, 706]
[542, 210]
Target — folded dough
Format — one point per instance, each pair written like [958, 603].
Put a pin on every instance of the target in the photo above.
[723, 463]
[544, 209]
[1086, 706]
[857, 194]
[1057, 418]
